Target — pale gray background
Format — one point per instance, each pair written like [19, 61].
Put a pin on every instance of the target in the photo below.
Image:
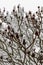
[27, 4]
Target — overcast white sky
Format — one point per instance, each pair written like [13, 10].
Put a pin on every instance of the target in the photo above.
[27, 4]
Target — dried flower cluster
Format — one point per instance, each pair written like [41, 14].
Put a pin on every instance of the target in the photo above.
[21, 37]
